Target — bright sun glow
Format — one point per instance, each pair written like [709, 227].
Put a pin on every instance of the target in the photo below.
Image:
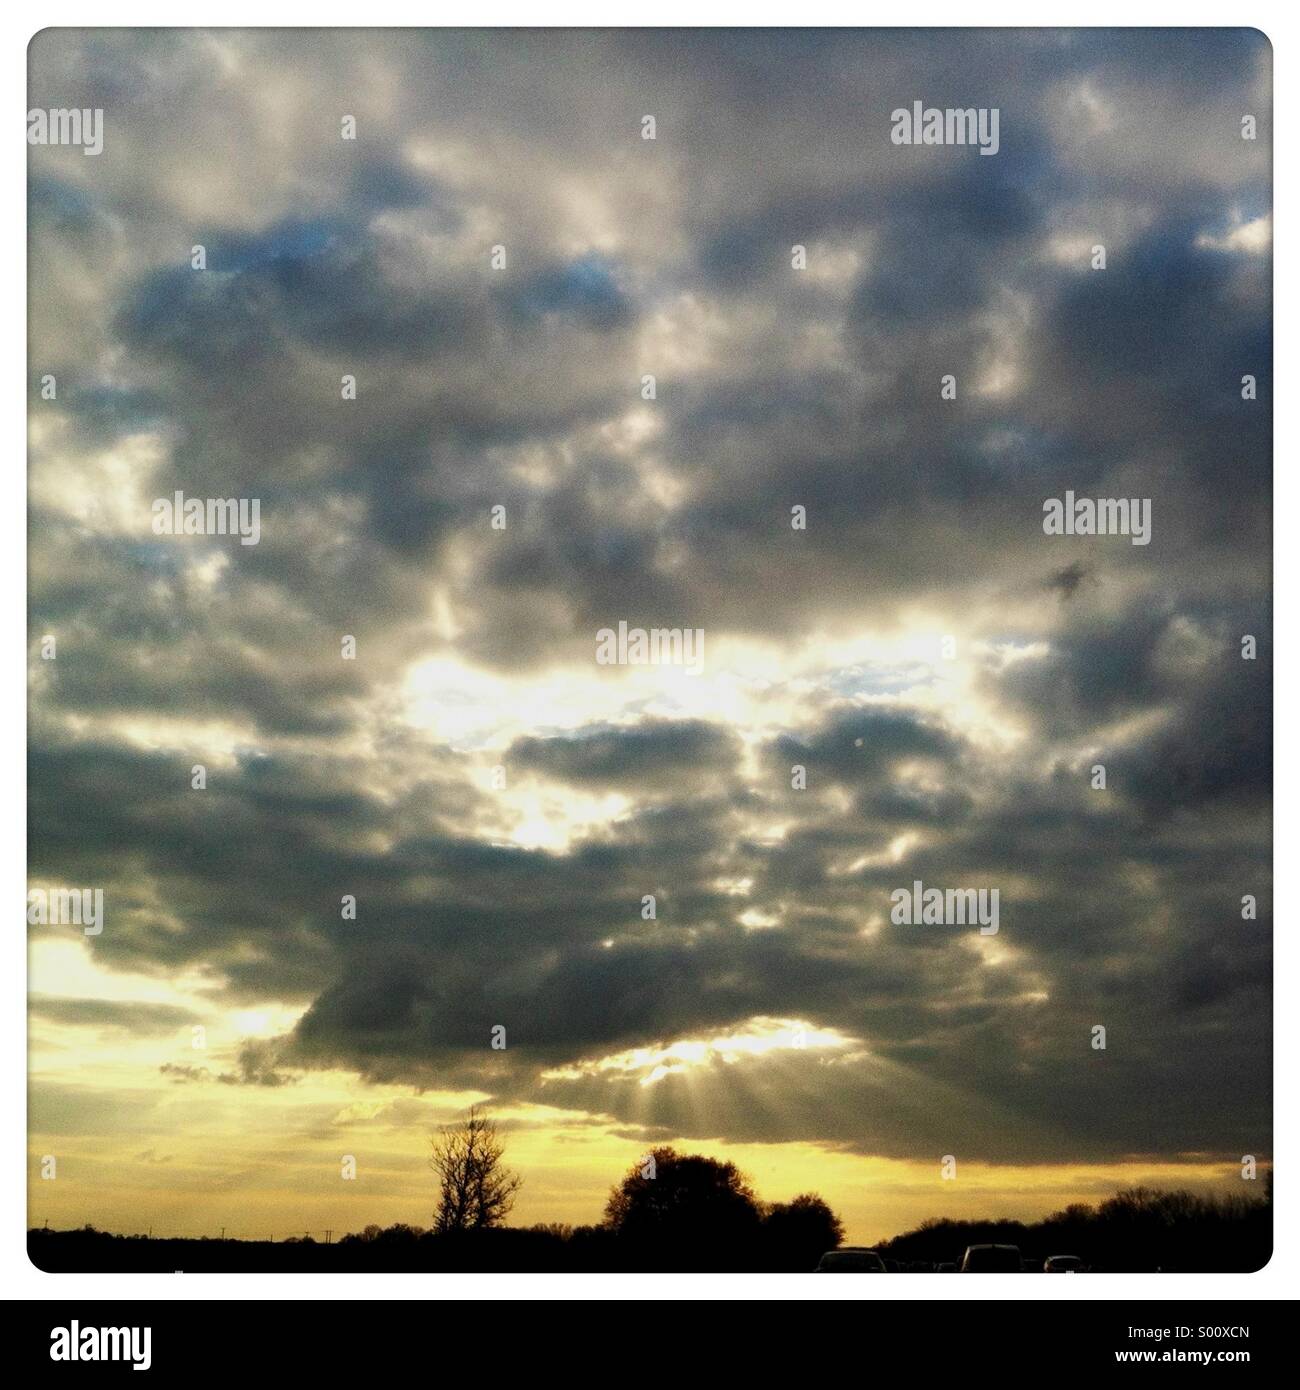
[759, 1036]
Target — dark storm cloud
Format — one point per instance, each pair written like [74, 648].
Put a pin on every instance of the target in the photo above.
[653, 752]
[1066, 581]
[113, 1015]
[1211, 735]
[775, 388]
[858, 744]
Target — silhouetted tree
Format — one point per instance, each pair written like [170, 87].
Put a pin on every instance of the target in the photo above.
[799, 1232]
[684, 1203]
[365, 1237]
[398, 1234]
[475, 1189]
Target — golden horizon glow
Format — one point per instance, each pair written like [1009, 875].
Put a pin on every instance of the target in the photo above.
[189, 1157]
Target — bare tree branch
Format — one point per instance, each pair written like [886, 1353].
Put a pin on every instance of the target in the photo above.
[475, 1189]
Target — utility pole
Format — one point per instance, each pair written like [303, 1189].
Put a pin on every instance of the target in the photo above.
[328, 1234]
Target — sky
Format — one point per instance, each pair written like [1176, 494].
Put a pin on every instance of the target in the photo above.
[904, 677]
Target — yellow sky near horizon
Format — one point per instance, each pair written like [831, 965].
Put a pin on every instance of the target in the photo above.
[268, 1183]
[185, 1153]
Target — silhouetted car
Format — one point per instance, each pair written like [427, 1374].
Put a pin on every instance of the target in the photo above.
[1064, 1264]
[851, 1259]
[893, 1267]
[991, 1259]
[945, 1267]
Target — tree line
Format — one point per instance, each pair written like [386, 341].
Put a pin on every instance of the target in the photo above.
[677, 1211]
